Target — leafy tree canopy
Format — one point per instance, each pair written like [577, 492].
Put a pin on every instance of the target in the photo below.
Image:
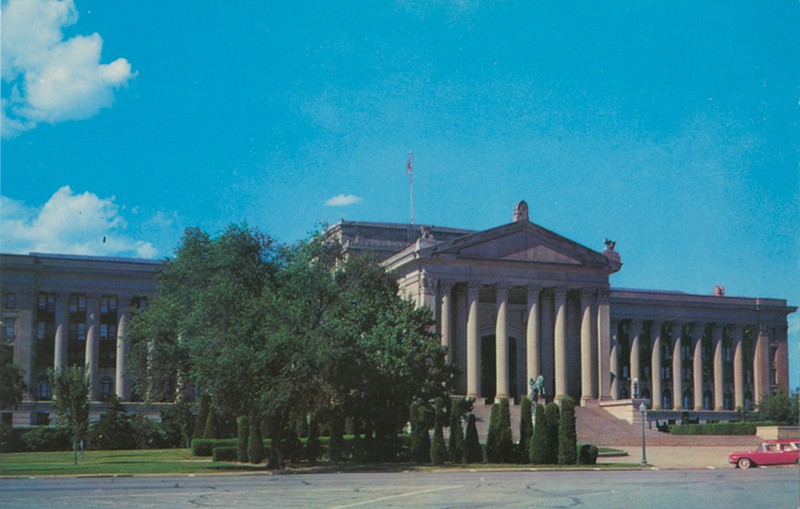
[283, 332]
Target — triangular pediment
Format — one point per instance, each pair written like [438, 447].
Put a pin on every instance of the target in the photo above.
[520, 246]
[521, 241]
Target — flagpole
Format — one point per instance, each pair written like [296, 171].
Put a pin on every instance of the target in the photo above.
[410, 170]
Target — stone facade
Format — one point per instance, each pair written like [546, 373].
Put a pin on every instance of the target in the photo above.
[510, 303]
[60, 310]
[518, 301]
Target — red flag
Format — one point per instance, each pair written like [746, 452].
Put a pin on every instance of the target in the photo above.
[410, 165]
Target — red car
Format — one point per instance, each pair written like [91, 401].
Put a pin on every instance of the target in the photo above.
[771, 452]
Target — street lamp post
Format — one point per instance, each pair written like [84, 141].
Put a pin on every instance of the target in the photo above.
[643, 410]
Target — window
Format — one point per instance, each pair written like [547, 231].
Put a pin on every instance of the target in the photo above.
[41, 329]
[106, 387]
[42, 419]
[77, 303]
[666, 398]
[10, 327]
[46, 302]
[688, 399]
[11, 300]
[43, 390]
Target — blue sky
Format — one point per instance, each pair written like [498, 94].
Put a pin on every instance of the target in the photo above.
[668, 126]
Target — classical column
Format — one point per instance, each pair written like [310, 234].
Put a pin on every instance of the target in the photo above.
[532, 338]
[560, 296]
[473, 348]
[546, 350]
[634, 335]
[604, 344]
[501, 341]
[782, 358]
[761, 364]
[588, 381]
[719, 391]
[428, 289]
[655, 364]
[614, 359]
[445, 288]
[92, 353]
[62, 330]
[121, 382]
[677, 384]
[738, 365]
[460, 354]
[698, 330]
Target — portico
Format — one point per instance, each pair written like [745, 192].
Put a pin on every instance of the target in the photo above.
[513, 303]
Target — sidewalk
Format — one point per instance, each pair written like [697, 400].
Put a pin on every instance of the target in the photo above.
[677, 457]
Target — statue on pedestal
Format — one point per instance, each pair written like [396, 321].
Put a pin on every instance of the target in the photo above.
[537, 389]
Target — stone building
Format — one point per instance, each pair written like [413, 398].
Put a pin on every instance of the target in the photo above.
[519, 301]
[511, 304]
[63, 310]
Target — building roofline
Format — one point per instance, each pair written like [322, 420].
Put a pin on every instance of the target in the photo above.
[68, 257]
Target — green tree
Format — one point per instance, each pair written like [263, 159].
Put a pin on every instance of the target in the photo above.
[781, 407]
[114, 430]
[71, 402]
[420, 439]
[313, 445]
[493, 454]
[12, 385]
[551, 418]
[525, 429]
[243, 436]
[178, 423]
[472, 446]
[456, 439]
[255, 443]
[438, 448]
[210, 426]
[567, 435]
[286, 332]
[202, 416]
[506, 440]
[538, 443]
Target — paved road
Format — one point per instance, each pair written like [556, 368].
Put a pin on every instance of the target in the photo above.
[776, 488]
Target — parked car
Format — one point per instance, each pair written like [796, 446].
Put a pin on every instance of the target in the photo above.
[771, 452]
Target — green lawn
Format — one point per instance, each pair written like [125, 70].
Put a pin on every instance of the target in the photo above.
[157, 461]
[180, 461]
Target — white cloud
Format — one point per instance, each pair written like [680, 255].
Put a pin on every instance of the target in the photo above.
[342, 200]
[50, 79]
[68, 223]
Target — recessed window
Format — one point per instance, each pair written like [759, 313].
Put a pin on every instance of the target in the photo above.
[43, 390]
[106, 387]
[10, 326]
[11, 300]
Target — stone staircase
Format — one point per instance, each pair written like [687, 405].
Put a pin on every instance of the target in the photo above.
[598, 426]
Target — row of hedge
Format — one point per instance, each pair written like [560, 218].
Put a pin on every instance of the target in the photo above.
[720, 428]
[34, 439]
